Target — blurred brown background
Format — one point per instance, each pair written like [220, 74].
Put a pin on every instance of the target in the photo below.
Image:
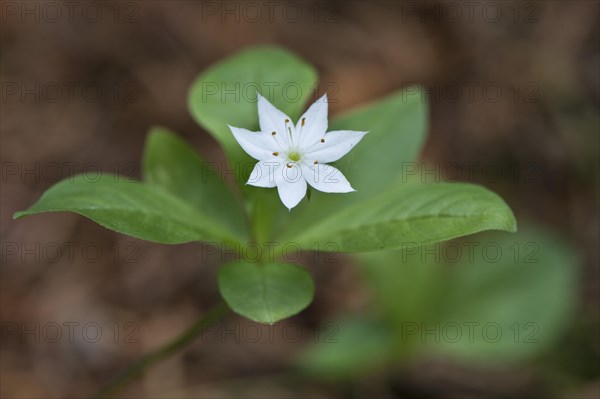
[510, 83]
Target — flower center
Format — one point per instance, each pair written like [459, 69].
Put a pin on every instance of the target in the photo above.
[294, 156]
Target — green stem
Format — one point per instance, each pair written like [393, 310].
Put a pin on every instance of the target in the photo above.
[261, 219]
[137, 368]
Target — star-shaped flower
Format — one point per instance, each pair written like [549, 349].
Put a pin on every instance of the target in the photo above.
[291, 156]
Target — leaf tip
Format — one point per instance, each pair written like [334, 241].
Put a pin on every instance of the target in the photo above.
[511, 221]
[512, 228]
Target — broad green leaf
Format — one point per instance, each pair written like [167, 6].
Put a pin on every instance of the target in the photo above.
[404, 284]
[226, 93]
[265, 293]
[397, 127]
[522, 292]
[170, 163]
[409, 287]
[131, 208]
[493, 299]
[409, 214]
[523, 285]
[358, 346]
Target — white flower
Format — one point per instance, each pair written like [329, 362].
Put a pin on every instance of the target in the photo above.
[291, 156]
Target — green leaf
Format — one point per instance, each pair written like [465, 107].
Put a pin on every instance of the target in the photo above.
[226, 93]
[131, 208]
[352, 348]
[170, 163]
[522, 292]
[405, 286]
[265, 293]
[409, 214]
[497, 299]
[397, 127]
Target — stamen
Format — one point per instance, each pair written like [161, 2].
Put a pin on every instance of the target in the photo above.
[274, 135]
[314, 145]
[289, 165]
[316, 162]
[276, 153]
[299, 134]
[289, 129]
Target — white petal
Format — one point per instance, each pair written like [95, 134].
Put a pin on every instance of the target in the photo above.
[326, 178]
[315, 123]
[273, 120]
[335, 145]
[257, 144]
[291, 185]
[264, 172]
